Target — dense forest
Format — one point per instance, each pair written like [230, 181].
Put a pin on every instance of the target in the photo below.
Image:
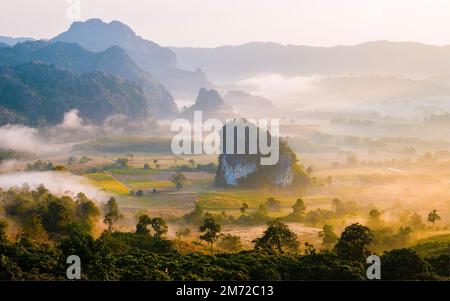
[36, 93]
[51, 228]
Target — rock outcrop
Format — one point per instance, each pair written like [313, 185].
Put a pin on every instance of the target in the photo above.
[246, 169]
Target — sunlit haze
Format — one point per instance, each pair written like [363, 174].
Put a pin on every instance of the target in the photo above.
[210, 23]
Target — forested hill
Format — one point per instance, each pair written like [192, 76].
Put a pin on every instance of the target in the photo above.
[39, 94]
[73, 57]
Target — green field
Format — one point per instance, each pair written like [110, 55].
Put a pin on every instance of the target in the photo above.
[107, 183]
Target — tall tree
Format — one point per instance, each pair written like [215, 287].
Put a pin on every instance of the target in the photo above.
[299, 207]
[243, 208]
[143, 223]
[86, 211]
[3, 226]
[433, 217]
[353, 243]
[211, 230]
[112, 213]
[329, 238]
[159, 227]
[277, 238]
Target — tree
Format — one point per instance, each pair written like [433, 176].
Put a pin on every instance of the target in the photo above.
[329, 238]
[122, 163]
[309, 249]
[141, 226]
[86, 211]
[277, 238]
[178, 180]
[195, 216]
[56, 217]
[159, 227]
[403, 235]
[338, 207]
[184, 232]
[231, 243]
[3, 226]
[139, 193]
[374, 218]
[112, 213]
[273, 204]
[433, 217]
[415, 221]
[318, 217]
[32, 227]
[131, 156]
[299, 207]
[211, 230]
[59, 168]
[243, 208]
[353, 243]
[405, 264]
[84, 159]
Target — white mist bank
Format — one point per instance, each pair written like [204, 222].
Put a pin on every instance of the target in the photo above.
[21, 138]
[73, 129]
[58, 183]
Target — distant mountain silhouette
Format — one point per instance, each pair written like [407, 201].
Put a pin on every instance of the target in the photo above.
[13, 41]
[380, 57]
[39, 94]
[211, 104]
[73, 57]
[249, 104]
[160, 62]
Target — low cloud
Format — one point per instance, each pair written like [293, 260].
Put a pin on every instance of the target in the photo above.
[58, 183]
[25, 139]
[278, 88]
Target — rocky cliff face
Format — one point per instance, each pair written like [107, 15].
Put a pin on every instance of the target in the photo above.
[246, 170]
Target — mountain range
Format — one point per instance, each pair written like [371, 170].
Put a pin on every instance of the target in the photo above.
[10, 41]
[380, 57]
[72, 57]
[160, 62]
[112, 53]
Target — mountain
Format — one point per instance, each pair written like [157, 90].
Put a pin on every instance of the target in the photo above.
[40, 94]
[159, 62]
[248, 104]
[367, 91]
[3, 45]
[380, 57]
[246, 169]
[73, 57]
[13, 41]
[211, 104]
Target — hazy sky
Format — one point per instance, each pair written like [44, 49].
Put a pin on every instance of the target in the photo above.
[219, 22]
